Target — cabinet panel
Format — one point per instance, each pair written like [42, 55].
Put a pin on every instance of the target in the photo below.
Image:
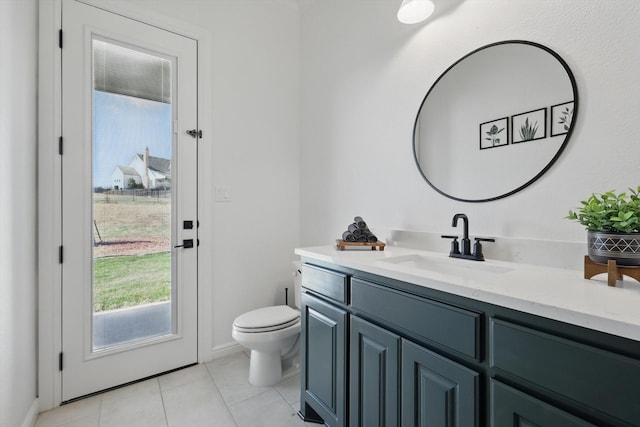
[512, 408]
[436, 392]
[374, 372]
[444, 325]
[325, 282]
[324, 356]
[582, 373]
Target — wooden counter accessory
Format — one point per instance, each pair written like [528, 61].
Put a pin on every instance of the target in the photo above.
[342, 245]
[614, 271]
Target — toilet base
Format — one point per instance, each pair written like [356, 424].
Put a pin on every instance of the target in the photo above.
[265, 368]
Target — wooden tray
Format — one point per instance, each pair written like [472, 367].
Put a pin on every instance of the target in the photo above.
[614, 271]
[342, 245]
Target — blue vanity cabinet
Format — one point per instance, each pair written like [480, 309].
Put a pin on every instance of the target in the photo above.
[378, 352]
[323, 351]
[374, 367]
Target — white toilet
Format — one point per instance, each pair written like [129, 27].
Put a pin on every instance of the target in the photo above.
[272, 334]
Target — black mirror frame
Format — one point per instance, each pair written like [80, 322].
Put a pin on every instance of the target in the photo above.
[551, 162]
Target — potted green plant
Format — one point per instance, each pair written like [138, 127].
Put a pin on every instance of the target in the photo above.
[612, 221]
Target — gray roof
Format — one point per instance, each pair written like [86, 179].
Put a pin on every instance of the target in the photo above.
[158, 164]
[127, 170]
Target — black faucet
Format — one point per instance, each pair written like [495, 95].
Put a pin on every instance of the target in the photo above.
[466, 243]
[466, 253]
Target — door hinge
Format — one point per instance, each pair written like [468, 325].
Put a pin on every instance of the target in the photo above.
[60, 150]
[195, 133]
[60, 361]
[60, 255]
[60, 38]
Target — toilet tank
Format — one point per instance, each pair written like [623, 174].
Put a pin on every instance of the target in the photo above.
[297, 282]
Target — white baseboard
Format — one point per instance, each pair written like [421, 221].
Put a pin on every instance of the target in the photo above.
[223, 350]
[32, 415]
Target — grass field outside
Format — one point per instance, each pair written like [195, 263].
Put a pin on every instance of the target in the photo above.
[132, 251]
[130, 280]
[125, 216]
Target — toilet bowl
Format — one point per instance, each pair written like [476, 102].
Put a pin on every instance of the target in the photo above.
[271, 333]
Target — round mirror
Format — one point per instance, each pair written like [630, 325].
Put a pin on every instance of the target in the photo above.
[495, 121]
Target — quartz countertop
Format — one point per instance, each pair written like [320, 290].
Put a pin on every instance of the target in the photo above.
[554, 293]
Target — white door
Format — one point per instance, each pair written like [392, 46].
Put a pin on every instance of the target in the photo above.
[129, 180]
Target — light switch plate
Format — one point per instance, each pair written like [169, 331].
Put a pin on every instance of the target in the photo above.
[223, 193]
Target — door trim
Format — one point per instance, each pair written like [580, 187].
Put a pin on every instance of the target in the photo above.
[49, 184]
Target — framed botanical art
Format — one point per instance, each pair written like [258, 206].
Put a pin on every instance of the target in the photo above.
[494, 133]
[561, 118]
[529, 126]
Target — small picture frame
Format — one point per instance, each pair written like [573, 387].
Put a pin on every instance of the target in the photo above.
[494, 133]
[529, 126]
[561, 118]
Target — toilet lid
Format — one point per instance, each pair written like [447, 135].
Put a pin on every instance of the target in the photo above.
[267, 319]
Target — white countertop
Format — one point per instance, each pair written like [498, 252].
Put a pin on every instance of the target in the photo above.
[553, 293]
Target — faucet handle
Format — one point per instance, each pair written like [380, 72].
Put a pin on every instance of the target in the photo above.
[484, 239]
[455, 246]
[477, 247]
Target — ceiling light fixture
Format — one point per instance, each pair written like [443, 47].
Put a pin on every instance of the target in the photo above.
[414, 11]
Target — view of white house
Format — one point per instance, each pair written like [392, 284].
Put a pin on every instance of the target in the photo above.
[148, 171]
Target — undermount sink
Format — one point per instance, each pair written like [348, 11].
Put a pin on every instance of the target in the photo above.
[444, 265]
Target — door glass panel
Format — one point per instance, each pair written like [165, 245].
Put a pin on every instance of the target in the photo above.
[132, 287]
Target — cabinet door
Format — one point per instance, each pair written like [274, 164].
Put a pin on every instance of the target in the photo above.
[512, 408]
[323, 355]
[373, 375]
[436, 392]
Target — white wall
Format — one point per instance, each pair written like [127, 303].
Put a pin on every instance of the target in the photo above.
[364, 77]
[18, 119]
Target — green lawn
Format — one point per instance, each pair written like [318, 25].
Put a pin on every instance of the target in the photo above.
[125, 281]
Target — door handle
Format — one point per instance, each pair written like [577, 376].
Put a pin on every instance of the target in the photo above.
[195, 133]
[187, 243]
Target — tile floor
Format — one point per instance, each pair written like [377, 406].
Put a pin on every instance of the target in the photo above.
[216, 394]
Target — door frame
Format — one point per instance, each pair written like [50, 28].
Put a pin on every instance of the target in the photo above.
[49, 184]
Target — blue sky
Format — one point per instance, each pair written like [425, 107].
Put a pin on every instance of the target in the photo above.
[124, 126]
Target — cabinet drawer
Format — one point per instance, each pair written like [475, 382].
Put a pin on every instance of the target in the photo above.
[426, 320]
[602, 381]
[510, 407]
[325, 282]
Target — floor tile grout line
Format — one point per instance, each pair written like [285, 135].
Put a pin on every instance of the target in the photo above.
[248, 398]
[164, 407]
[243, 355]
[224, 401]
[100, 410]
